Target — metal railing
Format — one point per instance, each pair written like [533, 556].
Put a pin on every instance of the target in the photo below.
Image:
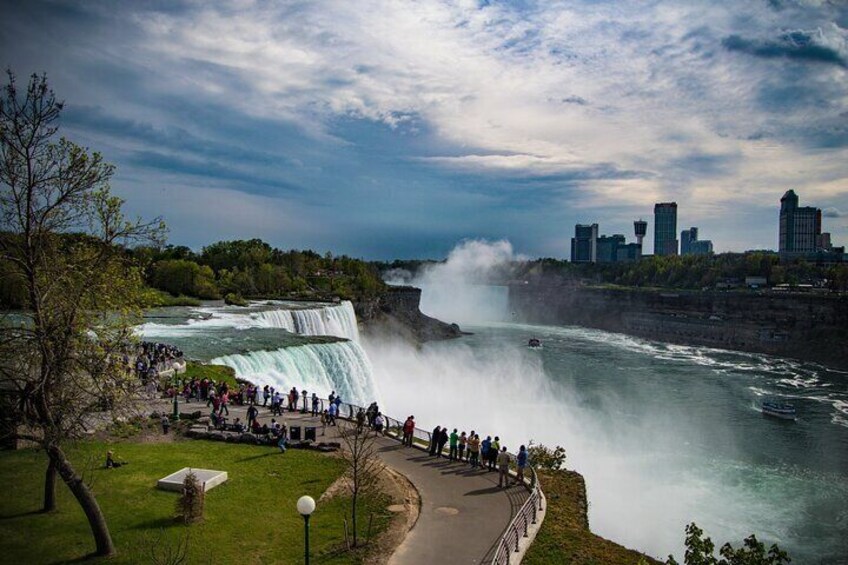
[518, 527]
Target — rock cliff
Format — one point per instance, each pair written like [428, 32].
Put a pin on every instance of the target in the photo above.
[397, 313]
[811, 327]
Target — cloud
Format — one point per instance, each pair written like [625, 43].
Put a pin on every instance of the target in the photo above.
[801, 45]
[832, 212]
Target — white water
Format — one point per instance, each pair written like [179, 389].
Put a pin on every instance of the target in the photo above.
[320, 367]
[337, 321]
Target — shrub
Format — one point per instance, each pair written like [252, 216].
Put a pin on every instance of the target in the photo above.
[546, 459]
[190, 503]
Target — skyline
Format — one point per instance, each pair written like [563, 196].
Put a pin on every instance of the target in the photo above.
[393, 130]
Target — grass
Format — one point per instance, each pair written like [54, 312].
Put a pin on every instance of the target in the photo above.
[565, 536]
[249, 519]
[218, 373]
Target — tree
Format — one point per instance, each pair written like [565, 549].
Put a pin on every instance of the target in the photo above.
[63, 236]
[700, 551]
[359, 450]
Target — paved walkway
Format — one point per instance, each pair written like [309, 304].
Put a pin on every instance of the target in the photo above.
[463, 511]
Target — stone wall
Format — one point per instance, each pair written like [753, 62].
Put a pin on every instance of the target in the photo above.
[805, 326]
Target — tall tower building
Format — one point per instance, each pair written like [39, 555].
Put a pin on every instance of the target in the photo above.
[584, 244]
[641, 227]
[665, 228]
[800, 227]
[687, 237]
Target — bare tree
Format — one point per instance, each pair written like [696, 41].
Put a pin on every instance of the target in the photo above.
[62, 236]
[359, 450]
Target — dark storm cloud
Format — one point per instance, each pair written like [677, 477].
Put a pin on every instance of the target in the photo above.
[799, 45]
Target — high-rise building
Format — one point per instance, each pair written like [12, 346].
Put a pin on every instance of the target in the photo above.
[800, 227]
[691, 245]
[608, 247]
[686, 238]
[641, 228]
[665, 228]
[584, 244]
[628, 252]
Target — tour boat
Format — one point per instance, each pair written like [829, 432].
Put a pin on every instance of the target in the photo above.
[534, 343]
[779, 410]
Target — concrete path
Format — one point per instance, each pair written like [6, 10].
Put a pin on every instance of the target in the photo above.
[463, 511]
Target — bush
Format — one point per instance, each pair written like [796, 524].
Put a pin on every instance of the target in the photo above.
[699, 551]
[234, 299]
[190, 503]
[544, 458]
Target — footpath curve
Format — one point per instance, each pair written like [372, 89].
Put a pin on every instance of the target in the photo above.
[463, 513]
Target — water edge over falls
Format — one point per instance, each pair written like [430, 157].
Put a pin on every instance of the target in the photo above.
[318, 320]
[321, 367]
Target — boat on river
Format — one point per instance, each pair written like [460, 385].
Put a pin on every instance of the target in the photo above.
[534, 343]
[781, 410]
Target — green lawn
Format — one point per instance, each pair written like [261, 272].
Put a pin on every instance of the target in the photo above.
[218, 373]
[249, 519]
[565, 536]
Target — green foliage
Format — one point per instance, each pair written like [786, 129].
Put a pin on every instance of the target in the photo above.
[545, 458]
[234, 299]
[252, 268]
[700, 551]
[217, 373]
[190, 503]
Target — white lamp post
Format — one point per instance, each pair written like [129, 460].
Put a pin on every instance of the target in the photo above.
[306, 506]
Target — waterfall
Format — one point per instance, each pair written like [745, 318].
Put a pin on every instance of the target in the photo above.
[335, 320]
[318, 367]
[338, 321]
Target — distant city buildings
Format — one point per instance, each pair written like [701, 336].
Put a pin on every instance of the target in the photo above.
[640, 226]
[691, 245]
[584, 244]
[665, 228]
[800, 235]
[589, 247]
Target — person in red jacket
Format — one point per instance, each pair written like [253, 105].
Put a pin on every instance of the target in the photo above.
[408, 431]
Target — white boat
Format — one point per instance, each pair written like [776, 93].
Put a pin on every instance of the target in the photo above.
[782, 410]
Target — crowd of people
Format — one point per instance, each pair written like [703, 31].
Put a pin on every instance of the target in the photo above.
[468, 448]
[153, 358]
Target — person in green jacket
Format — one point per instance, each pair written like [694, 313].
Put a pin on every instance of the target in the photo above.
[454, 442]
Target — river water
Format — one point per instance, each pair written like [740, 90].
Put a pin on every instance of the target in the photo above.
[665, 435]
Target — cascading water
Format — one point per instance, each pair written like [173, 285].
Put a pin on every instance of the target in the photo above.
[323, 367]
[338, 321]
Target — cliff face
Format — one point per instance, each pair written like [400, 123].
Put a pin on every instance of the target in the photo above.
[804, 326]
[397, 312]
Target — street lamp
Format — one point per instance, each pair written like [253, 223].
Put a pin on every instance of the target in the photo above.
[306, 506]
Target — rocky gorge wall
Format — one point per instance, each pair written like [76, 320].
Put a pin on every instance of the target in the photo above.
[397, 312]
[810, 326]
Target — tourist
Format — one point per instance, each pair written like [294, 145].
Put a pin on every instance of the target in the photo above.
[485, 447]
[494, 449]
[522, 463]
[360, 419]
[282, 443]
[443, 439]
[474, 450]
[252, 413]
[463, 441]
[434, 439]
[315, 402]
[305, 400]
[238, 426]
[256, 428]
[111, 463]
[454, 445]
[324, 420]
[503, 467]
[332, 397]
[166, 424]
[408, 430]
[225, 400]
[378, 423]
[276, 404]
[331, 414]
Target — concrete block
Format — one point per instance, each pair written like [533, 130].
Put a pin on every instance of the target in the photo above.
[206, 477]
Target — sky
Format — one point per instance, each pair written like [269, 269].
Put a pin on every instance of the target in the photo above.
[394, 129]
